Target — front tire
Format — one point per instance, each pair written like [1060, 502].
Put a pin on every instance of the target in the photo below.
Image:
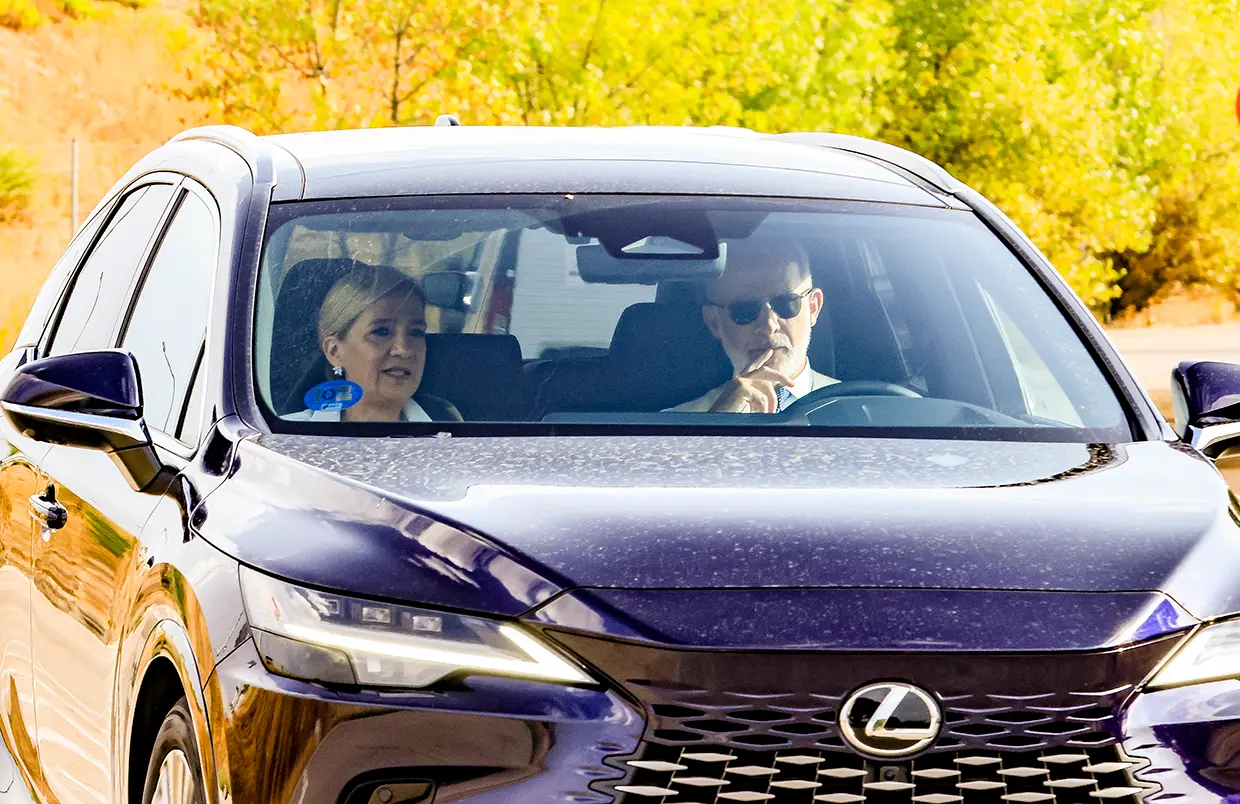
[174, 773]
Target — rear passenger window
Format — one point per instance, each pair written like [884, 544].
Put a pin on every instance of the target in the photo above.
[98, 294]
[169, 321]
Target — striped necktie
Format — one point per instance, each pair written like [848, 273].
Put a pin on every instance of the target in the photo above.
[783, 397]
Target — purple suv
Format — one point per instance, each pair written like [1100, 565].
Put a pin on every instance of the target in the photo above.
[526, 466]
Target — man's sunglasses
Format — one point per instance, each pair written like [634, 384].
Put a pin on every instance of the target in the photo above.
[746, 311]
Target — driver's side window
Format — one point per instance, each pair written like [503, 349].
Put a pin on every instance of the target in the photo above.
[168, 325]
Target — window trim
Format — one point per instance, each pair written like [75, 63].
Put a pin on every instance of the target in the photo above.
[171, 445]
[52, 326]
[184, 188]
[195, 375]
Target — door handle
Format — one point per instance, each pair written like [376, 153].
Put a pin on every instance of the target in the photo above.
[50, 513]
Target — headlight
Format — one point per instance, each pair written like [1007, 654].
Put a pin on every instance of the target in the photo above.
[332, 638]
[1211, 654]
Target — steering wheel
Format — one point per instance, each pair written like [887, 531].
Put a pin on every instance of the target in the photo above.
[821, 397]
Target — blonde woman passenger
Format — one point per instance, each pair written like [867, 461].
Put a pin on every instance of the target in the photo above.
[372, 330]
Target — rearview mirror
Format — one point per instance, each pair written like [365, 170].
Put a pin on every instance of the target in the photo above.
[595, 264]
[1205, 396]
[91, 400]
[449, 290]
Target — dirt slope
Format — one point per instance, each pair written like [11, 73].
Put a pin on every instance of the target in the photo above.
[103, 81]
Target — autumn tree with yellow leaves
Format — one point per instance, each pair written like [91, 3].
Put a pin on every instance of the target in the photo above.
[1104, 127]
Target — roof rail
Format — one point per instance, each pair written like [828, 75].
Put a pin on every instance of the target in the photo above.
[243, 143]
[906, 160]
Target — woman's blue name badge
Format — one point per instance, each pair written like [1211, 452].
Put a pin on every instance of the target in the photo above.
[333, 395]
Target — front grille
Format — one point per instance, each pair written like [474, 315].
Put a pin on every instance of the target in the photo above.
[748, 720]
[701, 775]
[726, 726]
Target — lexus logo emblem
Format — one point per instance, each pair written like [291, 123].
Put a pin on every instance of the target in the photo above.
[890, 719]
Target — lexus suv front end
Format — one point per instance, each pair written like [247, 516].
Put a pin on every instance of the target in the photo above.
[536, 466]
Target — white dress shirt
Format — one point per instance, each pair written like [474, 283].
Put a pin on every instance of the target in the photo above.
[808, 380]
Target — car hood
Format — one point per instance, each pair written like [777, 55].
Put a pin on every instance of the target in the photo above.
[648, 513]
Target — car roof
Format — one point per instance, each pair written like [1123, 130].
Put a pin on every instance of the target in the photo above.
[526, 159]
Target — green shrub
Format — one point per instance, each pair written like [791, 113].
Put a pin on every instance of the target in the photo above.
[17, 178]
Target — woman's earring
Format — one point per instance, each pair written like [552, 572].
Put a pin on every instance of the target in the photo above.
[338, 372]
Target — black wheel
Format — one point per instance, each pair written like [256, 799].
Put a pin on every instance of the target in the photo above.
[174, 774]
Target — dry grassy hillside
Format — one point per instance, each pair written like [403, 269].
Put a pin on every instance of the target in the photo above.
[102, 81]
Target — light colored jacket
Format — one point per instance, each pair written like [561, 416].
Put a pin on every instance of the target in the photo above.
[704, 402]
[412, 412]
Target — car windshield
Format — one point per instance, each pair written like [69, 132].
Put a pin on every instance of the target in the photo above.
[571, 312]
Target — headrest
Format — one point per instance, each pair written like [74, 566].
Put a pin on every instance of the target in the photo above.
[480, 374]
[648, 324]
[665, 355]
[294, 336]
[821, 351]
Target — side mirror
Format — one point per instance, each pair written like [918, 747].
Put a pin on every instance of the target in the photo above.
[449, 290]
[1205, 396]
[91, 400]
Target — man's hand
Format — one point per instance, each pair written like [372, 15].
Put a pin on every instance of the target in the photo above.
[753, 390]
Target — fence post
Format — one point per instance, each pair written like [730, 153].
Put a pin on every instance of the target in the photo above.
[73, 192]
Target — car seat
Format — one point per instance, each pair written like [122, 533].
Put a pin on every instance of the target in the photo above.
[662, 355]
[294, 336]
[853, 339]
[479, 374]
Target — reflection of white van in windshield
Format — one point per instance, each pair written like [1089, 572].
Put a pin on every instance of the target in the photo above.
[553, 311]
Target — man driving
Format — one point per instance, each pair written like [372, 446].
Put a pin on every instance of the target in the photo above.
[761, 311]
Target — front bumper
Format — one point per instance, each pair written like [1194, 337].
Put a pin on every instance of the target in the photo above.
[278, 740]
[1191, 736]
[725, 726]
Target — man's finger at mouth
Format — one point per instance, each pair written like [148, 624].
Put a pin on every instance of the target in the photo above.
[760, 361]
